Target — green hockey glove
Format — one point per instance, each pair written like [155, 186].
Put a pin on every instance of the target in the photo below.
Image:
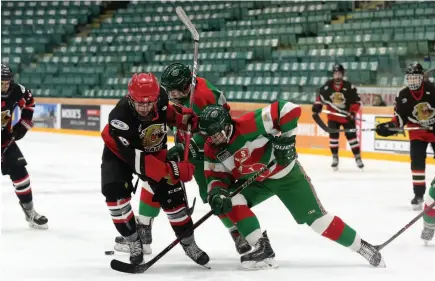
[284, 150]
[219, 201]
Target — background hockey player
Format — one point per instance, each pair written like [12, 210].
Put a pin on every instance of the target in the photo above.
[135, 142]
[13, 161]
[176, 80]
[415, 107]
[429, 217]
[237, 148]
[340, 96]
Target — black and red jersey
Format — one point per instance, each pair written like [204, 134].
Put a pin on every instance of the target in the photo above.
[416, 109]
[342, 98]
[17, 95]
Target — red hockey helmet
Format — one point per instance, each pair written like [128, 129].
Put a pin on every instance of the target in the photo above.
[143, 92]
[143, 87]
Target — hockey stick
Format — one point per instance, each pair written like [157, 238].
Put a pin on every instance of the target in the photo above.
[7, 147]
[133, 268]
[341, 115]
[380, 247]
[324, 127]
[195, 36]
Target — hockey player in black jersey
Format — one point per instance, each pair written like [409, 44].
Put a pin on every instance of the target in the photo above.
[13, 162]
[415, 107]
[135, 143]
[340, 96]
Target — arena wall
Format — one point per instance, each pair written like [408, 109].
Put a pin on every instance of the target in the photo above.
[89, 116]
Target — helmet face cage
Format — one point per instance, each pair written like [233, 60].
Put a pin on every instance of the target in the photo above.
[177, 96]
[221, 137]
[413, 81]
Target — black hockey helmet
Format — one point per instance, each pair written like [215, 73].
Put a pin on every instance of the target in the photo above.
[7, 78]
[414, 76]
[337, 68]
[7, 74]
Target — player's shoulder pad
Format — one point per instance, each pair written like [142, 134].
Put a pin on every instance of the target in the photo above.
[118, 124]
[348, 85]
[326, 86]
[403, 91]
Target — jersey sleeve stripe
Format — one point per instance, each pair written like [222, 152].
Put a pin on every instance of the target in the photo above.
[137, 159]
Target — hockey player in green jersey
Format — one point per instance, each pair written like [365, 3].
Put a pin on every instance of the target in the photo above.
[429, 217]
[236, 148]
[176, 80]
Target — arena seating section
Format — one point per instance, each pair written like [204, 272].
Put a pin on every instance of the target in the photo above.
[254, 51]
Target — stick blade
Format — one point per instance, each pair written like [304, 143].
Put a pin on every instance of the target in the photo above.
[185, 19]
[128, 267]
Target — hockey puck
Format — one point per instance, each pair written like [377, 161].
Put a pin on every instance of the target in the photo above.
[109, 253]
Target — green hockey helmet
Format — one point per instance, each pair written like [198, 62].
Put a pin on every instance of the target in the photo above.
[176, 79]
[215, 124]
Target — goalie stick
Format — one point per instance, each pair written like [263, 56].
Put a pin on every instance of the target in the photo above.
[380, 247]
[195, 36]
[324, 127]
[135, 269]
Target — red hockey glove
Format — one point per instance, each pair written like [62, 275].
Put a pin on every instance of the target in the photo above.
[180, 171]
[186, 117]
[156, 170]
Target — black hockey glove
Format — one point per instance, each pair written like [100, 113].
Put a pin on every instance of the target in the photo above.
[284, 149]
[350, 116]
[317, 108]
[383, 129]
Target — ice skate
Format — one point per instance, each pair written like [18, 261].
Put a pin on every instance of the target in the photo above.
[144, 232]
[136, 250]
[334, 164]
[359, 162]
[34, 219]
[195, 253]
[427, 234]
[370, 253]
[262, 257]
[242, 246]
[417, 203]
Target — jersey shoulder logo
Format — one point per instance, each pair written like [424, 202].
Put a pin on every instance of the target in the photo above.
[152, 137]
[118, 124]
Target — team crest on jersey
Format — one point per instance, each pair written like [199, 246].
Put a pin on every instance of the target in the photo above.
[338, 99]
[243, 164]
[152, 137]
[423, 112]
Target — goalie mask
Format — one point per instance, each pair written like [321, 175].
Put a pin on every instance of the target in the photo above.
[414, 76]
[143, 94]
[215, 125]
[176, 79]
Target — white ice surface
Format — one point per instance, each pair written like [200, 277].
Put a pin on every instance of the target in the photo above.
[65, 178]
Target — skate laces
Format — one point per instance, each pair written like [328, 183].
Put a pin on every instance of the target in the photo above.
[192, 250]
[369, 253]
[136, 248]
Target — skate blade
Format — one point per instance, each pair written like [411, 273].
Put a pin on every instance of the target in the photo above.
[426, 242]
[124, 248]
[261, 265]
[335, 169]
[38, 226]
[381, 264]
